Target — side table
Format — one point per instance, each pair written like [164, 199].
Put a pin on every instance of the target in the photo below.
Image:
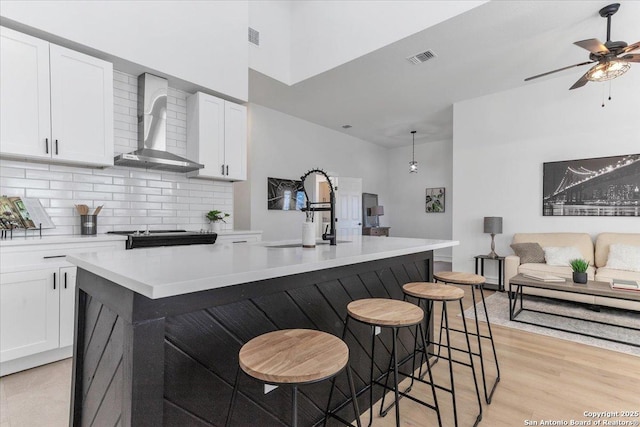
[375, 231]
[480, 260]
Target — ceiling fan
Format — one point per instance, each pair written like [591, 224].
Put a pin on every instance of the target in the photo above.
[610, 63]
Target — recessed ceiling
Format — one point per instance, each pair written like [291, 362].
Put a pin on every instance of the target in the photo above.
[489, 49]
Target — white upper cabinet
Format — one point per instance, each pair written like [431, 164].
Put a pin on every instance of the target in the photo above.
[56, 104]
[25, 117]
[217, 137]
[81, 107]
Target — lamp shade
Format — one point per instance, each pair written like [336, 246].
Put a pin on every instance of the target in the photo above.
[493, 224]
[377, 210]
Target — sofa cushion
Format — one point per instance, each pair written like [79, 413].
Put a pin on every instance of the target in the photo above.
[624, 257]
[561, 255]
[529, 252]
[604, 240]
[580, 240]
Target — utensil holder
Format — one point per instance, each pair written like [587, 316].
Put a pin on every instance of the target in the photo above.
[308, 235]
[88, 224]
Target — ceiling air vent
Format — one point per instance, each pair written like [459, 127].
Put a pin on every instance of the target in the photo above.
[421, 57]
[254, 36]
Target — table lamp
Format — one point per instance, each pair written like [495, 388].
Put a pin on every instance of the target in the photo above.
[493, 225]
[377, 211]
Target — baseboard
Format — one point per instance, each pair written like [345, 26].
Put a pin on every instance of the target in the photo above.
[28, 362]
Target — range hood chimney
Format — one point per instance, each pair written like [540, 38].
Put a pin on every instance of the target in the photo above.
[152, 131]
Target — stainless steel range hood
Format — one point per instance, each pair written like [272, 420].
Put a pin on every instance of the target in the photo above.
[152, 131]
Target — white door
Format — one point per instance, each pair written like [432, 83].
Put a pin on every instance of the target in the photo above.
[235, 141]
[81, 107]
[349, 207]
[29, 313]
[67, 304]
[25, 121]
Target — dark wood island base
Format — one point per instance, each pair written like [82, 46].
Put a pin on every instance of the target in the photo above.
[172, 361]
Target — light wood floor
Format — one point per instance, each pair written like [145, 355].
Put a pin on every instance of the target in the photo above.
[542, 379]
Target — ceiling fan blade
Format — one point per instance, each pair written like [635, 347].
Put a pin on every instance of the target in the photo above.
[594, 46]
[581, 81]
[632, 58]
[559, 69]
[630, 48]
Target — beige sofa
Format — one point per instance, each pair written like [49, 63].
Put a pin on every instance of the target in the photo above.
[596, 255]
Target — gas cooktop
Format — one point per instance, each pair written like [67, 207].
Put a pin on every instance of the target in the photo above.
[154, 238]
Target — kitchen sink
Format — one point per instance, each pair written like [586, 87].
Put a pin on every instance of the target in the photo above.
[299, 245]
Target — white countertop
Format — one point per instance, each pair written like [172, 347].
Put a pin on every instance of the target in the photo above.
[178, 270]
[19, 239]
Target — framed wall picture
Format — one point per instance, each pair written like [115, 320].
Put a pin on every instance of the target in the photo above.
[435, 200]
[284, 194]
[603, 186]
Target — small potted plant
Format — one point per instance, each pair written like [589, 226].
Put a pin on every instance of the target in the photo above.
[579, 267]
[215, 218]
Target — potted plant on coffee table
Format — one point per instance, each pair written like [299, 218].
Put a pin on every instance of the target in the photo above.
[579, 267]
[215, 218]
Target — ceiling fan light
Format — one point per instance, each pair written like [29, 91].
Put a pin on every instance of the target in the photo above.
[607, 71]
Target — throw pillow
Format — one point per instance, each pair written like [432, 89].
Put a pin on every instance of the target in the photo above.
[529, 252]
[561, 255]
[624, 257]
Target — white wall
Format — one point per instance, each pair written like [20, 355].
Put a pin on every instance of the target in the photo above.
[282, 146]
[325, 34]
[132, 197]
[500, 142]
[202, 42]
[407, 191]
[272, 18]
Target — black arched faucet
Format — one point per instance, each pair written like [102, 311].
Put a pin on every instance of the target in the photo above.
[331, 234]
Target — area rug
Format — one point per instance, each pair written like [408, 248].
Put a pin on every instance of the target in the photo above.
[498, 308]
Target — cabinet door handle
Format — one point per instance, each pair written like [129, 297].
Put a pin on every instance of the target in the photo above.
[222, 170]
[227, 169]
[240, 241]
[54, 281]
[53, 256]
[56, 147]
[65, 280]
[46, 145]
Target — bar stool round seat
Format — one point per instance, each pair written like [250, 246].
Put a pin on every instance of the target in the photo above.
[385, 312]
[459, 278]
[433, 291]
[294, 356]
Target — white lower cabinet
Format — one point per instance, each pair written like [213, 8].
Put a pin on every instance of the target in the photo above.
[37, 302]
[29, 313]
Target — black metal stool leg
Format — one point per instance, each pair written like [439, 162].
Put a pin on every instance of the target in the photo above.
[373, 348]
[473, 369]
[333, 380]
[475, 315]
[294, 404]
[493, 346]
[395, 375]
[233, 398]
[432, 384]
[453, 387]
[354, 395]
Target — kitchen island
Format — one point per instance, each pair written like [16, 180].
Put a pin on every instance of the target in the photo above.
[158, 330]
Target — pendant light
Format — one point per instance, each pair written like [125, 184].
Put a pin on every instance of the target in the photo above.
[413, 165]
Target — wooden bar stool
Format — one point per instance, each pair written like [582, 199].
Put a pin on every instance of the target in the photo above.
[476, 282]
[429, 293]
[295, 357]
[393, 314]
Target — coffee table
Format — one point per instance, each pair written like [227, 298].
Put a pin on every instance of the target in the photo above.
[592, 287]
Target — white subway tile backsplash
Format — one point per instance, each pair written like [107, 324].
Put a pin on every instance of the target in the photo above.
[21, 182]
[12, 172]
[132, 198]
[66, 185]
